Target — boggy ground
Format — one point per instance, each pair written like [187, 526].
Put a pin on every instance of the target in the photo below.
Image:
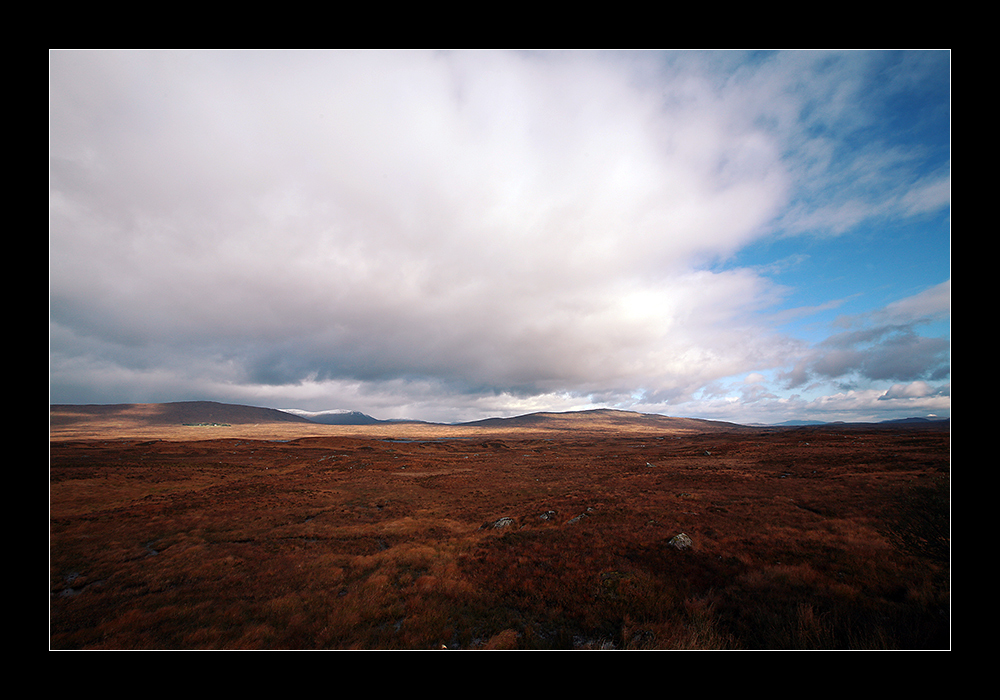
[801, 539]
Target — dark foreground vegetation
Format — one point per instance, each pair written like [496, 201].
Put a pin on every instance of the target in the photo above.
[798, 539]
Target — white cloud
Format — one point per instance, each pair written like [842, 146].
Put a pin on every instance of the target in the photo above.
[930, 304]
[849, 405]
[392, 227]
[519, 218]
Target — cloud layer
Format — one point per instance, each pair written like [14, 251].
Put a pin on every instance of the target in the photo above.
[454, 229]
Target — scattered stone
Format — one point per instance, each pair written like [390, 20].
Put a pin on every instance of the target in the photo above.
[580, 517]
[680, 541]
[498, 524]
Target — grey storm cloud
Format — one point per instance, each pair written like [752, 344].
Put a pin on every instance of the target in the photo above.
[902, 356]
[884, 344]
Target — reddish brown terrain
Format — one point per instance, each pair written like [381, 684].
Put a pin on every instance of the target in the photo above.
[585, 531]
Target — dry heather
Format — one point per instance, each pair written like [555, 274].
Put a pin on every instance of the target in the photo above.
[799, 539]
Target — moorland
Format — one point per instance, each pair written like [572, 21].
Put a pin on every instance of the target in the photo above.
[187, 529]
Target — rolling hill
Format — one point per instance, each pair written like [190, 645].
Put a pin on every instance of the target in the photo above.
[169, 414]
[605, 418]
[194, 413]
[207, 413]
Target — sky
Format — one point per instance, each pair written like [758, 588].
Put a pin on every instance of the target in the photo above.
[749, 236]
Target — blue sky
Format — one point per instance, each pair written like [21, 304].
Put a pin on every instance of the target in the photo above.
[744, 236]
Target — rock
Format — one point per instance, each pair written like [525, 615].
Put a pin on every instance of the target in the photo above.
[680, 541]
[498, 524]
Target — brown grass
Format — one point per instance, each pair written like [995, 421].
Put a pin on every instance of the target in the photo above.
[224, 538]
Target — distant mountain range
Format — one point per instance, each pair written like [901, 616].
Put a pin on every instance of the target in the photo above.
[604, 417]
[211, 412]
[176, 413]
[334, 417]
